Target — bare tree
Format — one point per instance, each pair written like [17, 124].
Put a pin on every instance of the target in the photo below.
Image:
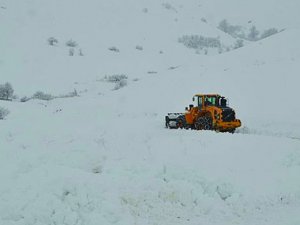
[6, 91]
[253, 34]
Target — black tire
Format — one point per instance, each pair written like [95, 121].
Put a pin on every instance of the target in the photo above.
[204, 123]
[181, 122]
[231, 131]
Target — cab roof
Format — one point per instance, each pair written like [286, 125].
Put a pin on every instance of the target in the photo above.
[208, 95]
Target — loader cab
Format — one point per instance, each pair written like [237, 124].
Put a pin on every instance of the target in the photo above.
[207, 100]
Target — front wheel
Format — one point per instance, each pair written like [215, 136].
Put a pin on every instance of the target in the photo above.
[232, 131]
[181, 122]
[204, 123]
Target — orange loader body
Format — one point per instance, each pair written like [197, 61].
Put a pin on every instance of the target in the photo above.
[210, 113]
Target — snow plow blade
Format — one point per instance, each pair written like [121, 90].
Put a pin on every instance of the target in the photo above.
[172, 120]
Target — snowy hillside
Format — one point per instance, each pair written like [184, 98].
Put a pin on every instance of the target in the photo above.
[101, 155]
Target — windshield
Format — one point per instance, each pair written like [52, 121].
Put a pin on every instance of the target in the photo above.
[211, 100]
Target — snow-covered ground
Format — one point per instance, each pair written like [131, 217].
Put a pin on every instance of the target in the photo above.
[104, 157]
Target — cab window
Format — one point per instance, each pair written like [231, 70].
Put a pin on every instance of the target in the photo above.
[200, 103]
[210, 100]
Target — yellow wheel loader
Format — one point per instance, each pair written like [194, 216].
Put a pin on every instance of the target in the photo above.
[211, 112]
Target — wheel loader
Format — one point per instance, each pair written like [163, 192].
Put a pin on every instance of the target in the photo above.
[211, 112]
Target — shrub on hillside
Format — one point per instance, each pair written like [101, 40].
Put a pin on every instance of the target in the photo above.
[233, 30]
[168, 6]
[71, 43]
[199, 42]
[6, 91]
[80, 53]
[120, 80]
[253, 34]
[238, 44]
[227, 28]
[24, 99]
[268, 33]
[115, 78]
[238, 31]
[69, 95]
[47, 97]
[3, 113]
[71, 51]
[52, 41]
[42, 96]
[114, 49]
[203, 20]
[139, 47]
[120, 84]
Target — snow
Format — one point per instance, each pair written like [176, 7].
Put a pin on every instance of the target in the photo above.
[104, 157]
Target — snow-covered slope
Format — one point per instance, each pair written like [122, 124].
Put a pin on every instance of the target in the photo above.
[104, 157]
